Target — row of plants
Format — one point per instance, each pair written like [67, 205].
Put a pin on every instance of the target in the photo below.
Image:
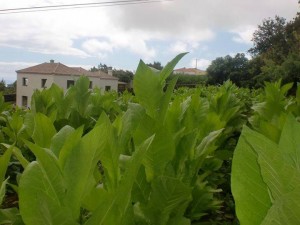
[158, 157]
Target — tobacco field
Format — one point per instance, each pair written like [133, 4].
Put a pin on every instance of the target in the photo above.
[207, 155]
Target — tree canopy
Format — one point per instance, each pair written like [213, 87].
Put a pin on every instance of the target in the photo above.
[275, 55]
[156, 65]
[123, 75]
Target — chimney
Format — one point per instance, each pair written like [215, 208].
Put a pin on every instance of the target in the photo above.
[51, 60]
[109, 71]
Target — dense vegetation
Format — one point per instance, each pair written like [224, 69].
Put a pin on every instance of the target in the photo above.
[275, 55]
[158, 157]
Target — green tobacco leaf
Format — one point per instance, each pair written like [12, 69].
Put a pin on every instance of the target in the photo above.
[59, 139]
[145, 82]
[82, 95]
[168, 69]
[290, 137]
[179, 220]
[4, 160]
[130, 121]
[39, 199]
[10, 216]
[113, 207]
[271, 195]
[160, 153]
[18, 154]
[250, 192]
[2, 191]
[109, 153]
[166, 99]
[285, 210]
[48, 164]
[79, 166]
[71, 142]
[43, 130]
[168, 195]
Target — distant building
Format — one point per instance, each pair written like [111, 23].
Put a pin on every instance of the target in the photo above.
[44, 75]
[189, 71]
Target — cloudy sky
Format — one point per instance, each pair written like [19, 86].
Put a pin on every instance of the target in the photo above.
[120, 36]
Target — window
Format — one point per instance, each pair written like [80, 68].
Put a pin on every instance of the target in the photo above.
[107, 88]
[91, 85]
[70, 83]
[24, 101]
[44, 83]
[25, 81]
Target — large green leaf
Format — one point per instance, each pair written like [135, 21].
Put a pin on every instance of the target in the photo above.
[43, 130]
[4, 161]
[17, 153]
[130, 122]
[113, 207]
[59, 139]
[168, 69]
[250, 192]
[168, 195]
[10, 216]
[289, 143]
[2, 190]
[148, 89]
[109, 153]
[160, 153]
[271, 195]
[40, 201]
[79, 164]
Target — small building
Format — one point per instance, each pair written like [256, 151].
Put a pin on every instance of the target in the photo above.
[44, 75]
[189, 71]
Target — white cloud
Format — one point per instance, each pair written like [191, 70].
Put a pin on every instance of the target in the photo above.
[7, 70]
[104, 31]
[179, 47]
[244, 34]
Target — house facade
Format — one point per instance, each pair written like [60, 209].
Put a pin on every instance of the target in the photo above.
[44, 75]
[189, 71]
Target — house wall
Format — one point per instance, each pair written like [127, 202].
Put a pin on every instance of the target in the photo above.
[96, 81]
[35, 82]
[61, 80]
[102, 83]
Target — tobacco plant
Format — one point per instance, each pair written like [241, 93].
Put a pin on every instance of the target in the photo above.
[155, 163]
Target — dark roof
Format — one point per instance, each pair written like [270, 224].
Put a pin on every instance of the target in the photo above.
[61, 69]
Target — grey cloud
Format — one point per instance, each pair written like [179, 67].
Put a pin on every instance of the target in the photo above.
[183, 16]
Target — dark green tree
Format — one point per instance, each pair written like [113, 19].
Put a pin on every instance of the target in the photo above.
[277, 43]
[156, 65]
[2, 85]
[270, 40]
[123, 75]
[228, 67]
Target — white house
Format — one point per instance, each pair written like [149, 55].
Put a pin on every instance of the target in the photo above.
[43, 75]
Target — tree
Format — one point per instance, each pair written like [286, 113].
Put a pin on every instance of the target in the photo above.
[101, 67]
[270, 39]
[277, 43]
[2, 85]
[224, 68]
[156, 65]
[123, 75]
